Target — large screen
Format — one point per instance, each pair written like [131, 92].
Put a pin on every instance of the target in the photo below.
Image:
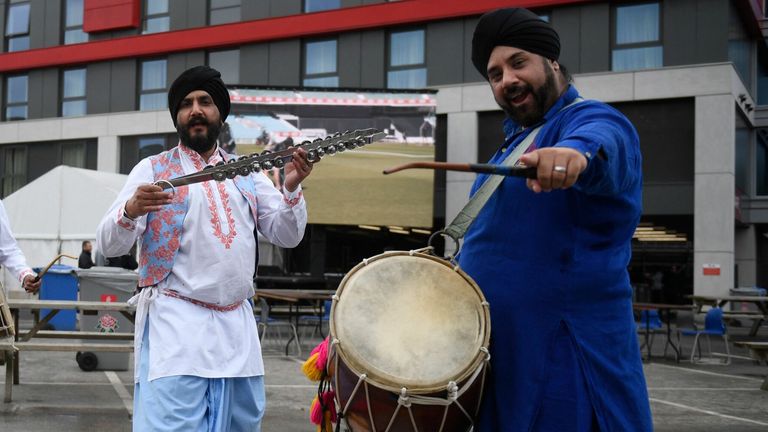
[348, 188]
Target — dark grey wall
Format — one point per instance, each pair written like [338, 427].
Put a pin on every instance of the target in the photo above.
[695, 31]
[111, 86]
[189, 13]
[254, 64]
[285, 63]
[666, 130]
[178, 63]
[350, 60]
[45, 23]
[43, 96]
[372, 59]
[442, 38]
[584, 37]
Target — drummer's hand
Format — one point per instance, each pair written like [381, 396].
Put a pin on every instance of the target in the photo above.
[558, 168]
[147, 198]
[30, 284]
[296, 171]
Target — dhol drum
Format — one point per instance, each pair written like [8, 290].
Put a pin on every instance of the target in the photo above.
[409, 339]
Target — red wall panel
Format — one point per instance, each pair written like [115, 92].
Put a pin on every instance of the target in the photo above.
[103, 15]
[227, 35]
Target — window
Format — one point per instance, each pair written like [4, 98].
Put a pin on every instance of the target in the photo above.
[156, 17]
[73, 22]
[761, 162]
[320, 64]
[73, 101]
[321, 5]
[135, 148]
[637, 37]
[16, 98]
[74, 154]
[14, 169]
[224, 11]
[406, 65]
[17, 26]
[153, 93]
[228, 63]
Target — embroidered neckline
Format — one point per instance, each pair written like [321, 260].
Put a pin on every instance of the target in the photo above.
[225, 239]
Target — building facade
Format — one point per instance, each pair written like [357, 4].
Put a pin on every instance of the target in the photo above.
[84, 82]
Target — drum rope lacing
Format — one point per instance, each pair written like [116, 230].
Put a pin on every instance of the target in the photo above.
[406, 400]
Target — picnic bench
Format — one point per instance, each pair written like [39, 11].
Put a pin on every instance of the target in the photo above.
[757, 317]
[759, 351]
[23, 340]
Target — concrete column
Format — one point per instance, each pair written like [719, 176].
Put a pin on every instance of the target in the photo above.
[462, 147]
[714, 185]
[108, 154]
[746, 255]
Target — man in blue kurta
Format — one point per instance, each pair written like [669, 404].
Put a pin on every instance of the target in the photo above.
[551, 254]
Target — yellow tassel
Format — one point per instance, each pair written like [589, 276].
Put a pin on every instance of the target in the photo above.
[310, 368]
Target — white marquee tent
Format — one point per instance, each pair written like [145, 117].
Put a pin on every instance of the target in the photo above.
[57, 211]
[63, 207]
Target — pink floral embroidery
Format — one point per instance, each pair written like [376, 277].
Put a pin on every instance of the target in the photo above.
[293, 202]
[107, 324]
[164, 253]
[155, 225]
[121, 223]
[252, 203]
[225, 239]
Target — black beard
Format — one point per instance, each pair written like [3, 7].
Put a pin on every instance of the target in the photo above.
[543, 97]
[199, 143]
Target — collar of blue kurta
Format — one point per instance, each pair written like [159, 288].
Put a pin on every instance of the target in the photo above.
[511, 127]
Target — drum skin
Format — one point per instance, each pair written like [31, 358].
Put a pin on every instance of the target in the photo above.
[409, 321]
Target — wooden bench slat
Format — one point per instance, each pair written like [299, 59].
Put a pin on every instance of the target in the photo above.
[51, 346]
[58, 334]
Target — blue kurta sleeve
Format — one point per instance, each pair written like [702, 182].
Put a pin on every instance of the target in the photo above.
[610, 144]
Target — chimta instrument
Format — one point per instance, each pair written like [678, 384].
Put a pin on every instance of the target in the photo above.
[408, 351]
[245, 165]
[504, 170]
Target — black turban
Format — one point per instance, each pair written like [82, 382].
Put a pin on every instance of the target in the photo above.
[515, 27]
[199, 78]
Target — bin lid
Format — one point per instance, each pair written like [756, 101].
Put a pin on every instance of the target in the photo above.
[57, 268]
[111, 273]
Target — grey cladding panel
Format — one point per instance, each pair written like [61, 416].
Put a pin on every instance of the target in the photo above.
[36, 24]
[53, 24]
[197, 13]
[595, 49]
[280, 8]
[97, 84]
[51, 93]
[372, 59]
[679, 32]
[470, 73]
[124, 78]
[349, 59]
[567, 22]
[442, 39]
[285, 63]
[254, 64]
[711, 31]
[35, 94]
[178, 63]
[252, 10]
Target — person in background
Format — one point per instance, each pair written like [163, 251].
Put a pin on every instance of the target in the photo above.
[86, 260]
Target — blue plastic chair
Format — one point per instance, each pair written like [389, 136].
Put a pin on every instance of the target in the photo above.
[317, 321]
[713, 326]
[265, 322]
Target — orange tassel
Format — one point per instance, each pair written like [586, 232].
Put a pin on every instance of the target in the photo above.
[315, 412]
[310, 368]
[328, 423]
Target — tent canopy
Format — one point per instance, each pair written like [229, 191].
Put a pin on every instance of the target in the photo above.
[56, 212]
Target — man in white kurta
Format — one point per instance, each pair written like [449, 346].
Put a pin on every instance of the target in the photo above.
[198, 358]
[12, 258]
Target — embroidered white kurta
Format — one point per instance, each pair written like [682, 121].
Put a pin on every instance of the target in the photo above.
[214, 264]
[10, 254]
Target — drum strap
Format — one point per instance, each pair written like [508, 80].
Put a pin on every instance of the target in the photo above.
[460, 224]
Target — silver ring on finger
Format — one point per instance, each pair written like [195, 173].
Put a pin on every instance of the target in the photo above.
[559, 169]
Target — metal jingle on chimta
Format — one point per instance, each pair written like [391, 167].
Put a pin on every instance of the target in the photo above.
[278, 162]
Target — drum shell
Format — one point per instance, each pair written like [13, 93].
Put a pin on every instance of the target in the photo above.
[383, 404]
